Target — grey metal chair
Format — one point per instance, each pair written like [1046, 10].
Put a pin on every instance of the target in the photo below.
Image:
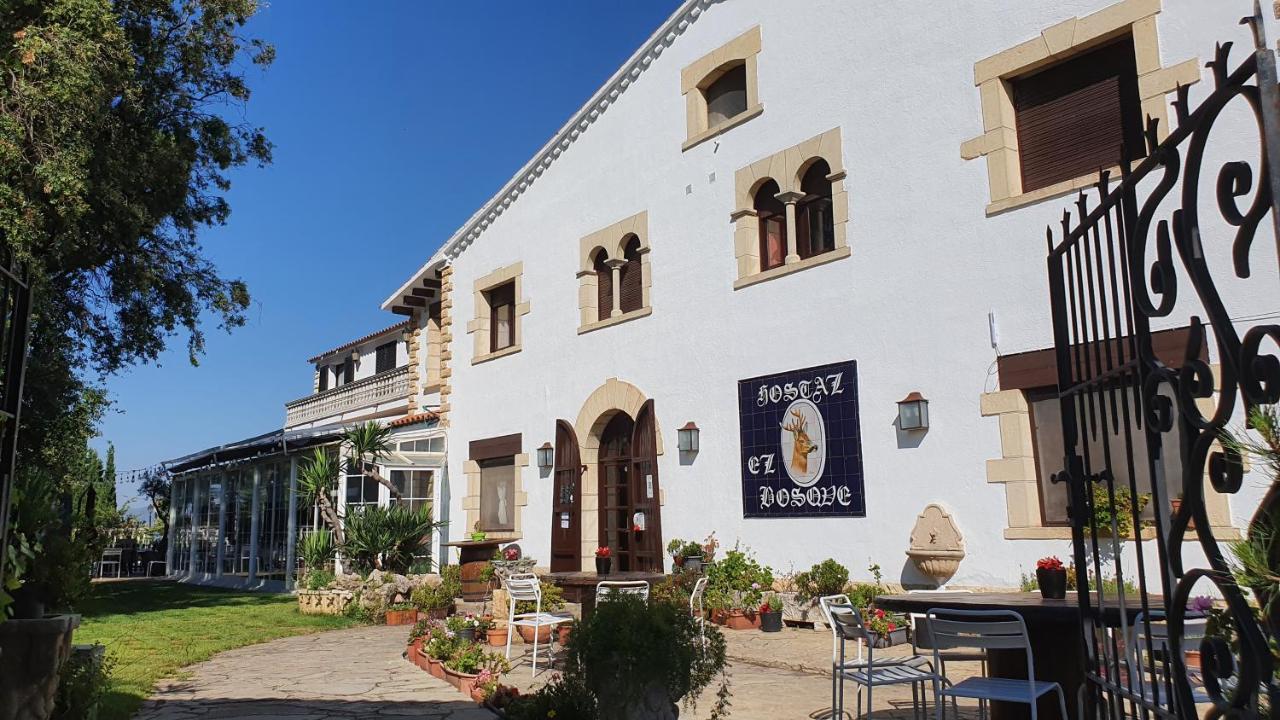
[1149, 664]
[989, 630]
[922, 642]
[847, 624]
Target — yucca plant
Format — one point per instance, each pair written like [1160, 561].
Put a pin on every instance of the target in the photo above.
[317, 548]
[379, 538]
[316, 479]
[366, 444]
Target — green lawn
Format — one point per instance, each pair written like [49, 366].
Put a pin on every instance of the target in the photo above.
[154, 628]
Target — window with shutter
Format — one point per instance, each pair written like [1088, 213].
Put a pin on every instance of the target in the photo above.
[502, 306]
[385, 357]
[1079, 116]
[323, 371]
[604, 286]
[348, 371]
[631, 294]
[773, 226]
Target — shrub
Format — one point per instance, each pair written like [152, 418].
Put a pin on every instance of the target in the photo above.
[863, 595]
[675, 589]
[451, 580]
[317, 579]
[552, 599]
[316, 548]
[431, 597]
[83, 681]
[390, 538]
[737, 582]
[826, 578]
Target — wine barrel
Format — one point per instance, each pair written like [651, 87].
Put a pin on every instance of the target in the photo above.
[473, 587]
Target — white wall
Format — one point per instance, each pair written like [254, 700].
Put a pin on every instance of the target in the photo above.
[910, 305]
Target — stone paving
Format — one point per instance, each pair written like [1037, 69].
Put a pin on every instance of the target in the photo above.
[360, 673]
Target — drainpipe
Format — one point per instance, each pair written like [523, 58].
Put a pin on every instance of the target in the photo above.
[222, 524]
[291, 542]
[443, 557]
[254, 523]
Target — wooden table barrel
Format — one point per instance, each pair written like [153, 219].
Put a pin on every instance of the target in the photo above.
[473, 556]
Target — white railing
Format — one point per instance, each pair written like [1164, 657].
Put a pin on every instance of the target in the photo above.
[369, 392]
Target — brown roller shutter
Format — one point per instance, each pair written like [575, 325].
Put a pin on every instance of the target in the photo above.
[632, 291]
[604, 288]
[1079, 116]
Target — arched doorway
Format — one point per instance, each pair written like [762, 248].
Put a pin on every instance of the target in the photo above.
[615, 490]
[566, 502]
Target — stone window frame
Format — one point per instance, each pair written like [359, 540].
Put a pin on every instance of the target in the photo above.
[478, 328]
[471, 501]
[1016, 470]
[992, 75]
[696, 77]
[612, 240]
[787, 168]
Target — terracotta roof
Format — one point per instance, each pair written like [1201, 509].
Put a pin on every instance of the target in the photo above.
[398, 326]
[413, 419]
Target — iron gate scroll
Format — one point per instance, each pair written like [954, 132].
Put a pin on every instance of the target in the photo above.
[1135, 425]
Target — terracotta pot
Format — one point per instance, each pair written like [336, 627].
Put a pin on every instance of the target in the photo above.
[421, 661]
[739, 620]
[466, 683]
[526, 634]
[1191, 659]
[436, 668]
[497, 636]
[402, 617]
[562, 633]
[1175, 505]
[477, 695]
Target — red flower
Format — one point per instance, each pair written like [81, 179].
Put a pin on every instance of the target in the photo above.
[892, 627]
[879, 613]
[602, 551]
[1049, 563]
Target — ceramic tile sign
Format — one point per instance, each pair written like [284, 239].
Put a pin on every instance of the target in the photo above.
[801, 443]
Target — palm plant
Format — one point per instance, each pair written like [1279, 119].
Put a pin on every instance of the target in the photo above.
[316, 479]
[389, 538]
[366, 444]
[317, 548]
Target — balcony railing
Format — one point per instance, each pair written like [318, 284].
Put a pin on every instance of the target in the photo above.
[367, 393]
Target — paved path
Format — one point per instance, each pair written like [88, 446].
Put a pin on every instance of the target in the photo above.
[359, 673]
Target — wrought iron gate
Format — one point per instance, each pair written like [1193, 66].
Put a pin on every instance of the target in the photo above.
[1138, 423]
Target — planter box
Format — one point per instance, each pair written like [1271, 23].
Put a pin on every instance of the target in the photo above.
[736, 619]
[897, 637]
[808, 611]
[31, 653]
[323, 602]
[401, 617]
[435, 667]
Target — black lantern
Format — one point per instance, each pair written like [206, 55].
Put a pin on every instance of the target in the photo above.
[546, 456]
[913, 412]
[688, 438]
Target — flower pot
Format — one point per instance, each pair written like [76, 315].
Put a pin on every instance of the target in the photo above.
[603, 565]
[467, 635]
[466, 683]
[739, 620]
[1191, 658]
[562, 633]
[497, 636]
[477, 694]
[477, 536]
[693, 563]
[897, 636]
[435, 667]
[526, 634]
[436, 613]
[402, 617]
[31, 652]
[1053, 583]
[677, 560]
[771, 621]
[451, 676]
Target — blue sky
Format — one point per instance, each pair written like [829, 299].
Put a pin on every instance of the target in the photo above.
[393, 122]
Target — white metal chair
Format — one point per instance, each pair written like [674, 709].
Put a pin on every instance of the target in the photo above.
[1150, 667]
[847, 624]
[695, 606]
[111, 556]
[527, 587]
[613, 588]
[989, 630]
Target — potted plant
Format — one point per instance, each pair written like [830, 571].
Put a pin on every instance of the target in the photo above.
[604, 559]
[552, 600]
[885, 629]
[417, 636]
[675, 549]
[476, 533]
[1175, 505]
[771, 614]
[495, 634]
[467, 627]
[563, 632]
[433, 601]
[484, 686]
[440, 647]
[402, 613]
[461, 668]
[1051, 576]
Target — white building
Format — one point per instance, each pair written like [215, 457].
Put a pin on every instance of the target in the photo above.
[767, 194]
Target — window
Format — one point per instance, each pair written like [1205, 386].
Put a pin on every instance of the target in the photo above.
[361, 489]
[416, 486]
[631, 291]
[426, 445]
[815, 225]
[772, 216]
[604, 284]
[1079, 116]
[502, 311]
[323, 372]
[385, 357]
[348, 368]
[497, 494]
[727, 96]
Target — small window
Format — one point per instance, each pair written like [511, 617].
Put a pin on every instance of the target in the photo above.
[416, 487]
[772, 216]
[348, 372]
[815, 226]
[361, 490]
[323, 371]
[631, 292]
[502, 317]
[497, 494]
[385, 357]
[1079, 116]
[727, 96]
[604, 285]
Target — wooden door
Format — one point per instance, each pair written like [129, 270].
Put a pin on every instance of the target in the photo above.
[615, 483]
[646, 495]
[566, 502]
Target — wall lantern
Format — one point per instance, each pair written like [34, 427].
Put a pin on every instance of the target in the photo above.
[688, 437]
[913, 412]
[546, 456]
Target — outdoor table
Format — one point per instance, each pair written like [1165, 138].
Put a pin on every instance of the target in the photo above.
[472, 557]
[1054, 630]
[580, 587]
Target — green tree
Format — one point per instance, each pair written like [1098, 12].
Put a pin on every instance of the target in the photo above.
[107, 491]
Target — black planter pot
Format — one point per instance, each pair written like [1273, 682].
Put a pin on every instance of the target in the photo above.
[467, 635]
[693, 563]
[602, 565]
[771, 621]
[1053, 583]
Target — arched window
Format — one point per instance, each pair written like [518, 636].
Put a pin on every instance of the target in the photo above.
[604, 285]
[772, 216]
[727, 95]
[815, 226]
[631, 291]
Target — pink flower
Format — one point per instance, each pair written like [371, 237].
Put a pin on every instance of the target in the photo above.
[755, 586]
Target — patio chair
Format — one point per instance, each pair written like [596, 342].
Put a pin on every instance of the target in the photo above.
[1150, 668]
[111, 556]
[527, 587]
[847, 624]
[695, 606]
[921, 640]
[610, 589]
[989, 630]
